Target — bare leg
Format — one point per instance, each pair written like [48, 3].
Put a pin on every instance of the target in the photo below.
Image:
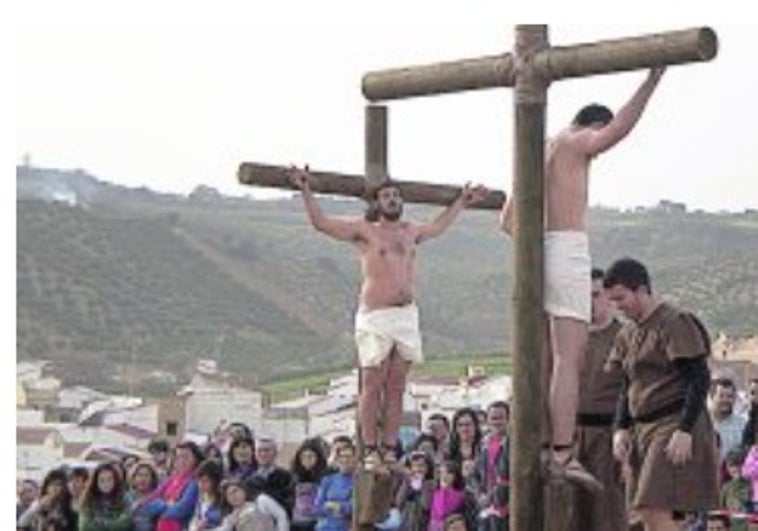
[546, 374]
[372, 380]
[393, 397]
[656, 519]
[568, 343]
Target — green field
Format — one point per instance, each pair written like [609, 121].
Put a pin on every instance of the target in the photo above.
[285, 389]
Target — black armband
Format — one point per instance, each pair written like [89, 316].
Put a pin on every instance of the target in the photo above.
[697, 376]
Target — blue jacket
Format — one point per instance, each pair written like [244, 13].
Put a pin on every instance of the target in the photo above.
[334, 488]
[180, 510]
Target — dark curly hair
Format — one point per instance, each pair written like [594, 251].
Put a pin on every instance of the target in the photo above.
[315, 474]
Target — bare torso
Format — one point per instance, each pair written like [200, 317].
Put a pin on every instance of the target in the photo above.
[388, 260]
[566, 176]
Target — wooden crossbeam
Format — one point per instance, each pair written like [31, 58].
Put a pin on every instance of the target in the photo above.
[556, 62]
[340, 184]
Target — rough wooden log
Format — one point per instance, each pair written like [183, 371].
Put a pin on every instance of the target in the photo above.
[271, 176]
[601, 57]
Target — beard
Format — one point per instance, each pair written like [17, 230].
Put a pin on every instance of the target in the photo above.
[393, 215]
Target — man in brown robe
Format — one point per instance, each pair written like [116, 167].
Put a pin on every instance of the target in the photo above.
[661, 427]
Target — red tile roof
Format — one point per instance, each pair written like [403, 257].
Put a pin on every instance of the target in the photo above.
[74, 449]
[32, 435]
[132, 431]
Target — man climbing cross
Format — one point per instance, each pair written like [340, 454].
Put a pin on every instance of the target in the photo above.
[387, 322]
[567, 266]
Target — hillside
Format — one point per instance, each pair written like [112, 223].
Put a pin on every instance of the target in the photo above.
[113, 280]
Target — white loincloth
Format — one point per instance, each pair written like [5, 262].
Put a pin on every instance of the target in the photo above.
[568, 283]
[377, 331]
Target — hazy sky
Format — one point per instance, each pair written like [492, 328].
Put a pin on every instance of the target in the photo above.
[171, 107]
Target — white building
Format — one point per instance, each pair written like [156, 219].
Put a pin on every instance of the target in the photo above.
[38, 450]
[211, 397]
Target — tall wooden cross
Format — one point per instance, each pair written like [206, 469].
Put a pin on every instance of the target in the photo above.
[529, 69]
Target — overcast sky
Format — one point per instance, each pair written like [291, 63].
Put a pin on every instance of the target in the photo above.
[171, 107]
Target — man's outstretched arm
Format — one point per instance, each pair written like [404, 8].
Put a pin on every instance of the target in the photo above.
[597, 141]
[339, 229]
[441, 223]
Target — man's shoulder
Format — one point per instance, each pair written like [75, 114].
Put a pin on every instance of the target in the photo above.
[571, 137]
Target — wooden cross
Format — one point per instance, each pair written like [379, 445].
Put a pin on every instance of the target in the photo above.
[530, 69]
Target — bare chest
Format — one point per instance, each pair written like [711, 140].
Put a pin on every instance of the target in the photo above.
[394, 244]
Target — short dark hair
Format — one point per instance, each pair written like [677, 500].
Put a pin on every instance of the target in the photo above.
[629, 273]
[597, 274]
[723, 382]
[79, 472]
[453, 518]
[375, 188]
[158, 445]
[192, 448]
[210, 469]
[346, 439]
[440, 416]
[501, 404]
[593, 113]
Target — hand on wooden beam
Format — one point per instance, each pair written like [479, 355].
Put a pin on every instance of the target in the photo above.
[300, 179]
[473, 194]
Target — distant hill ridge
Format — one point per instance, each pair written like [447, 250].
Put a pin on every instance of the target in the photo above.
[110, 279]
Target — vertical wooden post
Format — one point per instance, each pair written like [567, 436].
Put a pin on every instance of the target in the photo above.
[376, 142]
[526, 502]
[371, 487]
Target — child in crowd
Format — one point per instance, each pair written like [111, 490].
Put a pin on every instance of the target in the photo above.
[308, 469]
[414, 495]
[750, 472]
[241, 459]
[207, 513]
[735, 492]
[143, 480]
[249, 509]
[449, 496]
[53, 506]
[334, 500]
[103, 506]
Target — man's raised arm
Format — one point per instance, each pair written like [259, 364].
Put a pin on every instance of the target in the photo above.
[339, 229]
[440, 224]
[608, 136]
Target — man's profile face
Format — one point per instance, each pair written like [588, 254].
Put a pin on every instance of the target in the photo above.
[627, 301]
[601, 303]
[389, 203]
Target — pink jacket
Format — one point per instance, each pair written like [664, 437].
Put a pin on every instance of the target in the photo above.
[750, 470]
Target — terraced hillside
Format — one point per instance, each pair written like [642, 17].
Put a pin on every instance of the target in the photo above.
[131, 278]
